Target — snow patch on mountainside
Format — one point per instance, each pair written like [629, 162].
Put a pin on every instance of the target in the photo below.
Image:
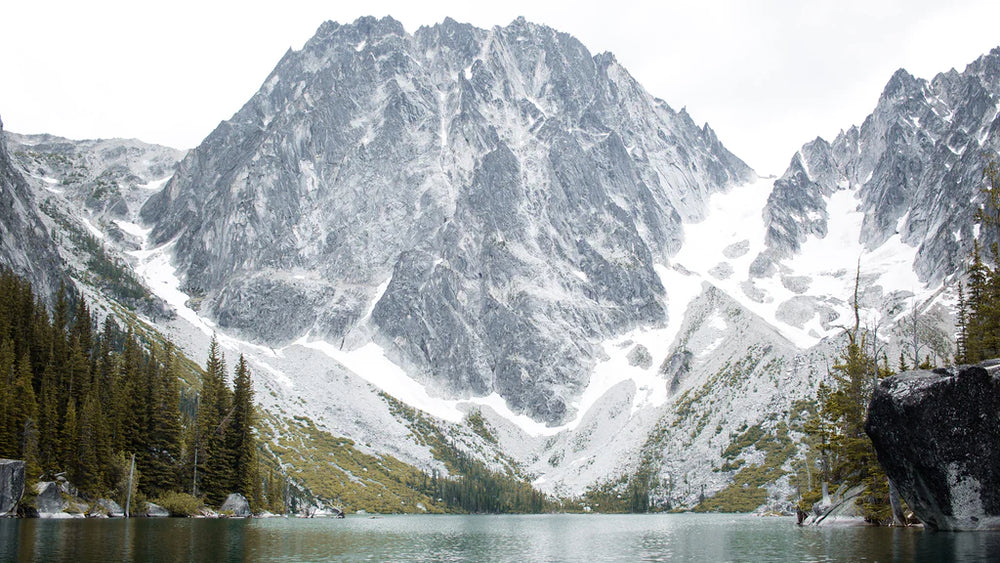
[732, 235]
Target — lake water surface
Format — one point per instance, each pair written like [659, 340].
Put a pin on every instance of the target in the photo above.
[562, 537]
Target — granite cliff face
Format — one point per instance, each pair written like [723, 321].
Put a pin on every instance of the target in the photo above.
[914, 166]
[937, 435]
[25, 245]
[486, 205]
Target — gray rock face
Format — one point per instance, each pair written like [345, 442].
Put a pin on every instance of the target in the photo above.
[508, 190]
[639, 356]
[154, 510]
[915, 164]
[11, 484]
[25, 244]
[109, 178]
[237, 505]
[84, 192]
[109, 508]
[937, 435]
[48, 499]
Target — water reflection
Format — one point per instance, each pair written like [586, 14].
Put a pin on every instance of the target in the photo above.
[668, 537]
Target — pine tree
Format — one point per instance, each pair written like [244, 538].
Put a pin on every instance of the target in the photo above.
[68, 436]
[92, 445]
[128, 393]
[962, 326]
[979, 330]
[243, 444]
[8, 423]
[847, 455]
[48, 418]
[162, 459]
[214, 457]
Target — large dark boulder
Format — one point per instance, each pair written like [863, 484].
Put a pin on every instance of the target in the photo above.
[11, 484]
[937, 435]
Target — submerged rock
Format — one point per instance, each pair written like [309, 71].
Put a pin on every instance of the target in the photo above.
[937, 435]
[11, 484]
[237, 505]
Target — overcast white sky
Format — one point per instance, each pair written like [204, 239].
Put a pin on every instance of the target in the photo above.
[767, 76]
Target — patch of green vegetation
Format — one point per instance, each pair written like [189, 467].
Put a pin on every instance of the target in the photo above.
[749, 437]
[729, 375]
[746, 493]
[626, 494]
[471, 486]
[109, 273]
[180, 504]
[338, 474]
[475, 421]
[105, 185]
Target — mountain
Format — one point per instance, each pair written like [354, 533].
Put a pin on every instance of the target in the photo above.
[26, 246]
[87, 194]
[486, 206]
[915, 167]
[492, 239]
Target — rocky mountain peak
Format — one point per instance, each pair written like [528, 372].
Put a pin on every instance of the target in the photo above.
[450, 196]
[915, 164]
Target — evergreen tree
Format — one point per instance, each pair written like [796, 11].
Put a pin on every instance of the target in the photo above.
[77, 401]
[847, 454]
[8, 424]
[162, 456]
[68, 436]
[92, 445]
[214, 457]
[242, 442]
[979, 311]
[962, 326]
[48, 418]
[128, 398]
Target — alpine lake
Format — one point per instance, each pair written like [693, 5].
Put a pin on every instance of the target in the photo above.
[482, 538]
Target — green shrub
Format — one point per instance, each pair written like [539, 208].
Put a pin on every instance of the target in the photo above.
[180, 504]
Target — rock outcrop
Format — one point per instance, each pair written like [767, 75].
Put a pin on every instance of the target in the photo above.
[49, 500]
[937, 435]
[236, 505]
[107, 507]
[154, 510]
[11, 484]
[26, 247]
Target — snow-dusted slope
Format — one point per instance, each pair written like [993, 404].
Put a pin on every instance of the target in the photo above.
[484, 207]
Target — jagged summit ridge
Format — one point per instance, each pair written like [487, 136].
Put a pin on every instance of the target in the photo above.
[486, 205]
[915, 165]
